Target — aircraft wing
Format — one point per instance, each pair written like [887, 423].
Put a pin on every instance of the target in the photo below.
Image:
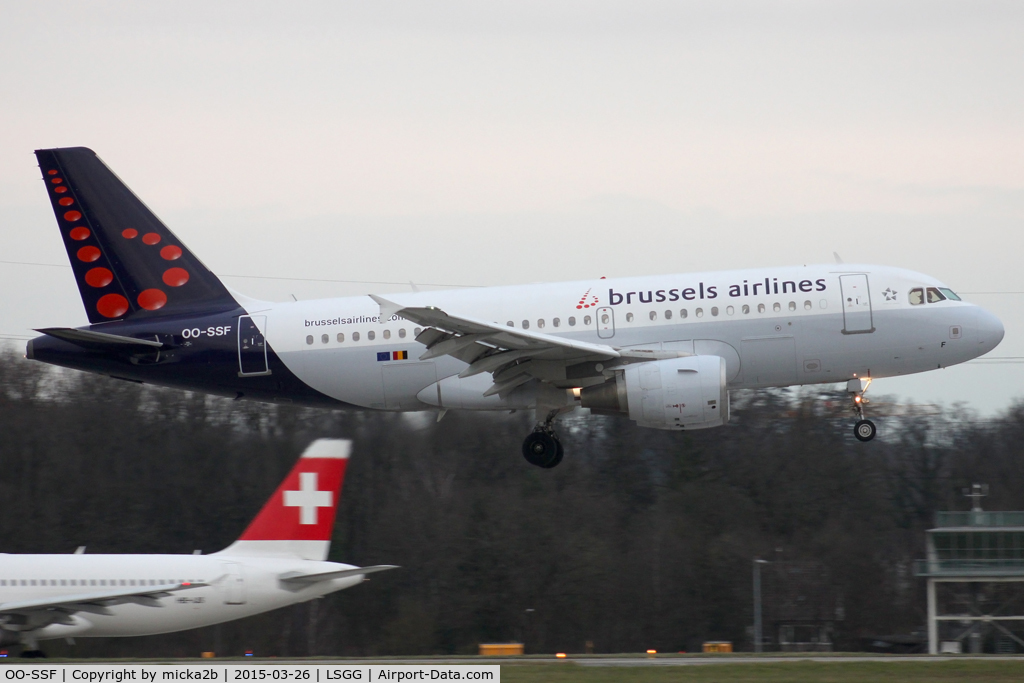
[97, 602]
[299, 577]
[513, 356]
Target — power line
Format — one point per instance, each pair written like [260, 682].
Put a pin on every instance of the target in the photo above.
[268, 277]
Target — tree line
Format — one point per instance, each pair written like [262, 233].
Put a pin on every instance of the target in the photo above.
[639, 539]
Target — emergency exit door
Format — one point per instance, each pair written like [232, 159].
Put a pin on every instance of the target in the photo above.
[857, 316]
[252, 346]
[605, 322]
[234, 584]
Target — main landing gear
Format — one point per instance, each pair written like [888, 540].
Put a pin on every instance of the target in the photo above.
[864, 429]
[542, 448]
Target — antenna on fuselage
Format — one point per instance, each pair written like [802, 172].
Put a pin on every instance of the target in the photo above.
[839, 259]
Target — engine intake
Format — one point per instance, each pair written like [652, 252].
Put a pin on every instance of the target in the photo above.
[678, 393]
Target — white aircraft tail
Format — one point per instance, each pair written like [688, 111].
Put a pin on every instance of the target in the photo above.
[298, 520]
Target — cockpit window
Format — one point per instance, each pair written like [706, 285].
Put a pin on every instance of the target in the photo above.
[950, 294]
[935, 296]
[916, 297]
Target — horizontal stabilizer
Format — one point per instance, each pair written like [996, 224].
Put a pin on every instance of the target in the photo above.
[299, 577]
[101, 341]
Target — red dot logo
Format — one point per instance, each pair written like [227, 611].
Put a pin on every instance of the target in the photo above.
[72, 215]
[78, 234]
[51, 172]
[99, 277]
[129, 234]
[56, 181]
[89, 254]
[175, 277]
[112, 305]
[60, 189]
[66, 201]
[579, 307]
[152, 299]
[151, 238]
[170, 253]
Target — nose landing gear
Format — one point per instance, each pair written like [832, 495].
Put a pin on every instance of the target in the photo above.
[542, 448]
[864, 429]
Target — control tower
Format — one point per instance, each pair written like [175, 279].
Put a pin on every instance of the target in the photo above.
[975, 575]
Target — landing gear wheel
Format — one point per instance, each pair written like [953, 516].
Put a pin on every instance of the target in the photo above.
[864, 430]
[542, 449]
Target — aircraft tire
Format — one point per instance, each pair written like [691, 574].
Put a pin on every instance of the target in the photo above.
[864, 430]
[542, 450]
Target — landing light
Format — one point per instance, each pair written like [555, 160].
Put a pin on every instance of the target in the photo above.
[560, 655]
[576, 392]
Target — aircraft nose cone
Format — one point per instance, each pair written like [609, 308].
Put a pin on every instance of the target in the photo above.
[990, 329]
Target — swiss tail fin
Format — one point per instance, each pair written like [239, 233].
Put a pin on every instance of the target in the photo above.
[298, 520]
[126, 262]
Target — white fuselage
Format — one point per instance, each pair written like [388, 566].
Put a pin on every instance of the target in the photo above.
[237, 587]
[774, 327]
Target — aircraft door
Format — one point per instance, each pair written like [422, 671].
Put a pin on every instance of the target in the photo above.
[857, 318]
[605, 322]
[252, 346]
[234, 584]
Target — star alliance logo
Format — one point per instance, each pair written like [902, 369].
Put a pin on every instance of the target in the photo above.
[890, 294]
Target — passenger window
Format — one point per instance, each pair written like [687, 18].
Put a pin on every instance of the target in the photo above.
[540, 324]
[401, 332]
[355, 336]
[916, 296]
[682, 312]
[387, 334]
[730, 310]
[586, 320]
[653, 315]
[745, 309]
[309, 339]
[510, 323]
[807, 305]
[555, 322]
[341, 337]
[526, 324]
[572, 321]
[792, 305]
[668, 315]
[699, 313]
[416, 332]
[950, 294]
[371, 335]
[760, 308]
[776, 307]
[605, 319]
[629, 317]
[935, 296]
[823, 303]
[714, 311]
[324, 339]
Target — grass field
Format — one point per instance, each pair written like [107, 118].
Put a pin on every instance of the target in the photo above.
[974, 671]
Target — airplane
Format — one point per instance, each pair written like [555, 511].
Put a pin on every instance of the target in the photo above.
[279, 560]
[663, 350]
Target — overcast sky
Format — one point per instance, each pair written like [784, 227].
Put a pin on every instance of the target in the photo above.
[484, 143]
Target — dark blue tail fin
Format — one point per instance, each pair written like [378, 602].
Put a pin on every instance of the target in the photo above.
[126, 262]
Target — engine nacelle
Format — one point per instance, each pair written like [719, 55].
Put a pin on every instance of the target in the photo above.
[678, 393]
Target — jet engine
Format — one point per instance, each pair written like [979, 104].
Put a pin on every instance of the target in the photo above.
[678, 393]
